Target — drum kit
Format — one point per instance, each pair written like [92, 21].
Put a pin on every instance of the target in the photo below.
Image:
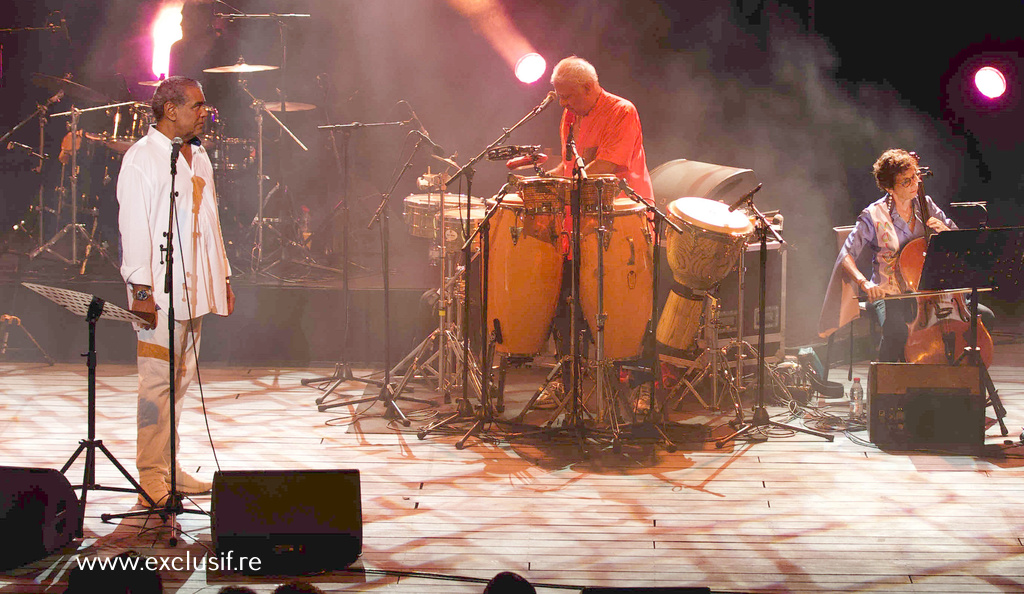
[100, 134]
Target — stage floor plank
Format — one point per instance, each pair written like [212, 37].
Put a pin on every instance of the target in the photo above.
[792, 514]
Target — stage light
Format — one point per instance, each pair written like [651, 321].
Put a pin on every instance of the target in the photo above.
[165, 30]
[530, 68]
[990, 82]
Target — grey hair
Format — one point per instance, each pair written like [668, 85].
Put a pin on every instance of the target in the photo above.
[574, 70]
[173, 90]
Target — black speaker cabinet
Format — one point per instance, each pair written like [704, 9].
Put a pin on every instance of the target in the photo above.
[39, 514]
[926, 407]
[775, 300]
[293, 521]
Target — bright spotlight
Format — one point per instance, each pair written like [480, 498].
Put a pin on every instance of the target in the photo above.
[165, 30]
[990, 82]
[530, 68]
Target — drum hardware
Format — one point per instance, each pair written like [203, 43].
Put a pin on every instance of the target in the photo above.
[259, 108]
[486, 414]
[41, 112]
[760, 420]
[74, 228]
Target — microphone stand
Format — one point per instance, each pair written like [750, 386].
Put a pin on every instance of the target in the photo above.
[760, 420]
[342, 369]
[388, 392]
[468, 171]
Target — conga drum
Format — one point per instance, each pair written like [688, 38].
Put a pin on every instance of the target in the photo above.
[524, 272]
[706, 251]
[628, 275]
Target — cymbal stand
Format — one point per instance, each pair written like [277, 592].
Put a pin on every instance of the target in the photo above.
[760, 420]
[41, 113]
[259, 108]
[74, 228]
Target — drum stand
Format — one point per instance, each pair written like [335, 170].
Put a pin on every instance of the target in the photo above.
[74, 228]
[485, 417]
[761, 421]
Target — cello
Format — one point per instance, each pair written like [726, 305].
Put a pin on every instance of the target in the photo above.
[941, 330]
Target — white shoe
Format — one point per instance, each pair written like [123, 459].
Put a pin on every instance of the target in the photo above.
[188, 484]
[156, 488]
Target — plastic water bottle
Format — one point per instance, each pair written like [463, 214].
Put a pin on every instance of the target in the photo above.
[856, 399]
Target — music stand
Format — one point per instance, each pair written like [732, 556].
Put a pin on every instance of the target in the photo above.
[975, 259]
[92, 308]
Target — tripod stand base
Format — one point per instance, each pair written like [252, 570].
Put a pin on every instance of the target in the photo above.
[761, 421]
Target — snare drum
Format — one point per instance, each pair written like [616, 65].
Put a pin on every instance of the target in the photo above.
[421, 212]
[524, 273]
[628, 276]
[700, 257]
[455, 226]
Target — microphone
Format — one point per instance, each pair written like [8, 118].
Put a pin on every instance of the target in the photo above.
[740, 202]
[175, 149]
[421, 130]
[526, 161]
[435, 148]
[503, 153]
[546, 102]
[924, 172]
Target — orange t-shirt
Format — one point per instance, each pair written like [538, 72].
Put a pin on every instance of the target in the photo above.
[611, 132]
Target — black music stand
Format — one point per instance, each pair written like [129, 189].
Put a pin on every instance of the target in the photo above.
[92, 308]
[975, 259]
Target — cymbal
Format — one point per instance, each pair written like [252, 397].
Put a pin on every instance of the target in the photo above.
[69, 87]
[150, 83]
[290, 105]
[240, 68]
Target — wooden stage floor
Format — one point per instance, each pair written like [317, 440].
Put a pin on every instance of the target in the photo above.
[794, 513]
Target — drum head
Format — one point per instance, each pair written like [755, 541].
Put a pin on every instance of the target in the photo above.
[711, 215]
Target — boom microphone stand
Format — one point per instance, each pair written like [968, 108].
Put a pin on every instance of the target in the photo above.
[388, 394]
[760, 418]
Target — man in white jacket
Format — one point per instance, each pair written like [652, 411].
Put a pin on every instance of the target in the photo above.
[201, 273]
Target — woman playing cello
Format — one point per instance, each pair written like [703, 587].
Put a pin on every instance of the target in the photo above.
[884, 227]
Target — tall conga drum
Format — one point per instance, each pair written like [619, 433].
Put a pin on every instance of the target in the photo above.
[628, 266]
[524, 271]
[706, 251]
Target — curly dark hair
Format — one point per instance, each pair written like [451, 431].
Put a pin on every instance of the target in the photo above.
[173, 90]
[889, 165]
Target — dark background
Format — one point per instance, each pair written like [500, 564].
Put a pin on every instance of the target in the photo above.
[807, 94]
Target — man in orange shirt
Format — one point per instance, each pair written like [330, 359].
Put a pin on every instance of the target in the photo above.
[605, 127]
[608, 136]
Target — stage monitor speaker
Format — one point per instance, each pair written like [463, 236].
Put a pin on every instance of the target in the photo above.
[775, 300]
[293, 521]
[647, 590]
[39, 514]
[925, 407]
